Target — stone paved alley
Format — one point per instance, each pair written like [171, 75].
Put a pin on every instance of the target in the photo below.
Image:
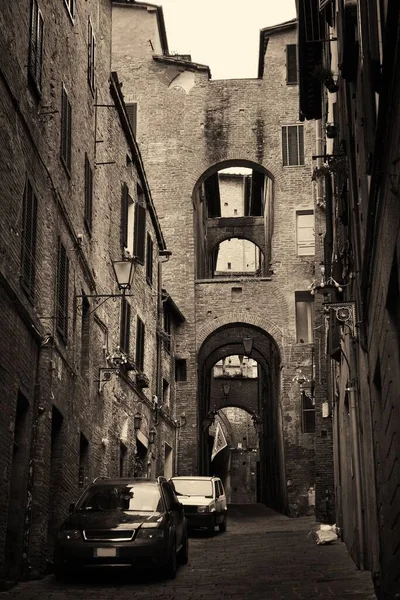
[262, 556]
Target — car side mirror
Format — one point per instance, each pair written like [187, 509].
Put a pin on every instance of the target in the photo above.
[72, 507]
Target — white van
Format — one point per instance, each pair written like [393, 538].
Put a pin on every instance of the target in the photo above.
[204, 501]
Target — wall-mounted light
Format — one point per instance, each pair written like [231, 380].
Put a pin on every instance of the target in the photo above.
[123, 272]
[226, 388]
[248, 345]
[137, 421]
[152, 435]
[181, 422]
[300, 378]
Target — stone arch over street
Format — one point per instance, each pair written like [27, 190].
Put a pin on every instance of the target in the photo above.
[259, 396]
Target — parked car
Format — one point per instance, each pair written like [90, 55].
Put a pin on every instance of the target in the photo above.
[204, 501]
[130, 522]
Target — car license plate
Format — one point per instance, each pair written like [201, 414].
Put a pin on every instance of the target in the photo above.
[106, 552]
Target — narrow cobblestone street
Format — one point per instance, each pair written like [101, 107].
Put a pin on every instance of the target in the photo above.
[262, 556]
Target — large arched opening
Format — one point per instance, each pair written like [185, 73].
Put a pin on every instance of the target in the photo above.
[240, 399]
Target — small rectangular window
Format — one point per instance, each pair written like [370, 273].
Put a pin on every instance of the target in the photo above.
[35, 61]
[131, 109]
[66, 130]
[291, 64]
[139, 359]
[305, 233]
[180, 369]
[293, 145]
[91, 51]
[149, 260]
[28, 241]
[62, 291]
[304, 317]
[125, 326]
[307, 413]
[88, 194]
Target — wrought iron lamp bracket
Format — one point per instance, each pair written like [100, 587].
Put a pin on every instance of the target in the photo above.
[345, 313]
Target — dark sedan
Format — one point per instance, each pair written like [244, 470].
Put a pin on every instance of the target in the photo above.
[123, 522]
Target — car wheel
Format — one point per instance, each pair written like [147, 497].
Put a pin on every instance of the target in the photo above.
[222, 526]
[171, 565]
[184, 551]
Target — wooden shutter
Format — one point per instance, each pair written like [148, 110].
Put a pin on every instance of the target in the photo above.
[124, 215]
[125, 326]
[33, 39]
[140, 233]
[291, 64]
[131, 110]
[88, 193]
[29, 236]
[91, 50]
[139, 344]
[66, 129]
[149, 259]
[62, 291]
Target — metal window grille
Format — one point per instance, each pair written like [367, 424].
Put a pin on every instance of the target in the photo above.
[149, 260]
[307, 413]
[29, 238]
[131, 109]
[36, 45]
[125, 326]
[88, 194]
[91, 55]
[62, 291]
[66, 130]
[140, 233]
[291, 64]
[293, 145]
[140, 344]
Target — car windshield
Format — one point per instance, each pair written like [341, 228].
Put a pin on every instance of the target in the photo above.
[138, 498]
[193, 487]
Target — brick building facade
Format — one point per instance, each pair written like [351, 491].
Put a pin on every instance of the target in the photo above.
[76, 366]
[349, 64]
[190, 128]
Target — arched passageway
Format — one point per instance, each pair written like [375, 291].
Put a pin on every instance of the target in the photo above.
[232, 401]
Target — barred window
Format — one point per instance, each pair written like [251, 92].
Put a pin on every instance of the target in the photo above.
[292, 145]
[149, 260]
[88, 194]
[28, 241]
[35, 61]
[91, 51]
[291, 64]
[125, 329]
[307, 413]
[139, 344]
[66, 130]
[62, 291]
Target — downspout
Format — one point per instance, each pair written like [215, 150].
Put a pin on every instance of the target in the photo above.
[357, 474]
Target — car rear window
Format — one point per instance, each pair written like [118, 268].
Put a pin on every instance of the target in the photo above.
[193, 487]
[138, 498]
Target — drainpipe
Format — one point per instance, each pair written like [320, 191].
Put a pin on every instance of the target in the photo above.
[357, 473]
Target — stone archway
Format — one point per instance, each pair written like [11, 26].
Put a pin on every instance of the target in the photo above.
[258, 397]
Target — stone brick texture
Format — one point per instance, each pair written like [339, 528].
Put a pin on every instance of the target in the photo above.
[50, 394]
[187, 132]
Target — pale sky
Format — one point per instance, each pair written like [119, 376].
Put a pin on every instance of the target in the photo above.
[223, 34]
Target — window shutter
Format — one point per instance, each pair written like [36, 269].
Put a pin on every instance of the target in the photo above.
[140, 232]
[39, 49]
[124, 215]
[29, 233]
[66, 129]
[125, 325]
[62, 291]
[69, 133]
[33, 39]
[293, 145]
[291, 63]
[140, 344]
[149, 259]
[131, 110]
[91, 51]
[88, 194]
